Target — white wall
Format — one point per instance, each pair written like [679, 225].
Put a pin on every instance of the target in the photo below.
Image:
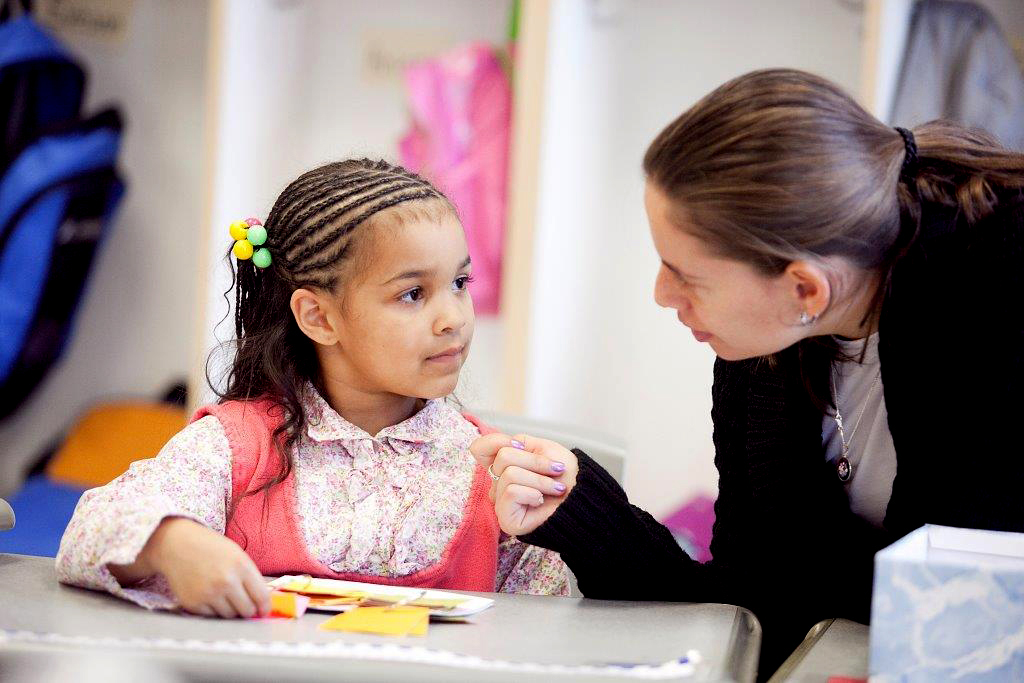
[131, 336]
[601, 352]
[321, 90]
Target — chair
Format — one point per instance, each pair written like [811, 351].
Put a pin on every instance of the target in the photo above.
[6, 516]
[607, 451]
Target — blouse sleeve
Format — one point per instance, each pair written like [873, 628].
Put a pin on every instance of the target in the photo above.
[190, 477]
[528, 569]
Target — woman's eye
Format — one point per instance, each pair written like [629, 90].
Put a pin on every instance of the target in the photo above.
[413, 295]
[462, 282]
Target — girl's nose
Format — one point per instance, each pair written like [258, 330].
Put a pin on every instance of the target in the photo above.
[451, 318]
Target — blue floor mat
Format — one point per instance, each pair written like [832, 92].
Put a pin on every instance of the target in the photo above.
[42, 509]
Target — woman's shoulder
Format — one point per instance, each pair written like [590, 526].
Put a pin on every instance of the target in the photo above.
[948, 229]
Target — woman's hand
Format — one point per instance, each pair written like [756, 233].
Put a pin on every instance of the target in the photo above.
[207, 572]
[532, 480]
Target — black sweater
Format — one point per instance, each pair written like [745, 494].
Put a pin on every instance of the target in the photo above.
[785, 544]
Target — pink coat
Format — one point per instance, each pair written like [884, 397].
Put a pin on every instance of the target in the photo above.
[265, 525]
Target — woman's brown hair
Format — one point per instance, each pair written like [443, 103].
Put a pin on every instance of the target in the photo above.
[780, 164]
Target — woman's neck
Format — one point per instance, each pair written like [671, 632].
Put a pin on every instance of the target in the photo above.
[370, 411]
[859, 317]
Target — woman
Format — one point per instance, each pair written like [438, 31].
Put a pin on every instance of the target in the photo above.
[861, 286]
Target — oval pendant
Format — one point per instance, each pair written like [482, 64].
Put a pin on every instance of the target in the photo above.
[844, 469]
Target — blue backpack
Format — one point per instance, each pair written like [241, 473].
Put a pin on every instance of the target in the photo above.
[58, 191]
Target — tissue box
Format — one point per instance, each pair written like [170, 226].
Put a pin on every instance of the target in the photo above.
[948, 604]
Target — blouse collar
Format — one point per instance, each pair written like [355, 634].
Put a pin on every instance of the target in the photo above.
[326, 424]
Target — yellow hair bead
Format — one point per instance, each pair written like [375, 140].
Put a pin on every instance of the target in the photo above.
[242, 250]
[239, 230]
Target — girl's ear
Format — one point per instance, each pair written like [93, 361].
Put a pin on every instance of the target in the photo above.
[311, 314]
[809, 286]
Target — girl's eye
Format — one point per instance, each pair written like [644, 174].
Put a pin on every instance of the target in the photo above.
[462, 282]
[413, 295]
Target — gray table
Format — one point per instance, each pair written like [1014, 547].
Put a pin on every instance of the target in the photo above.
[834, 647]
[518, 629]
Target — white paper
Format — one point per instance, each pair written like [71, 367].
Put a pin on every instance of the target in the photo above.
[472, 605]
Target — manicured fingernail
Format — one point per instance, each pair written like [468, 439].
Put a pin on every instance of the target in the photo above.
[559, 487]
[557, 467]
[518, 444]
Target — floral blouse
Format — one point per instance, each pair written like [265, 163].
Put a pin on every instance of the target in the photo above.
[386, 505]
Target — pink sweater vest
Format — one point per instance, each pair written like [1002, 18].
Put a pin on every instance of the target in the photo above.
[264, 524]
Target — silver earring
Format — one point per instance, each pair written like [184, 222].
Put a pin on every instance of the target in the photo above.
[808, 319]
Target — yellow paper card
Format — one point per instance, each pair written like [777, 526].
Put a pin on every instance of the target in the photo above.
[386, 621]
[318, 588]
[432, 603]
[287, 604]
[329, 602]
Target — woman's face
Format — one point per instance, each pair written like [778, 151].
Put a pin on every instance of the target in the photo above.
[725, 303]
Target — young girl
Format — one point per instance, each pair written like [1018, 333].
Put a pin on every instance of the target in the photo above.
[333, 451]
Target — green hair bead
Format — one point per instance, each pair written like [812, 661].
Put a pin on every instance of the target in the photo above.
[261, 259]
[257, 235]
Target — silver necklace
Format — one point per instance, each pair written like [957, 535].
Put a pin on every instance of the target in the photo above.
[844, 468]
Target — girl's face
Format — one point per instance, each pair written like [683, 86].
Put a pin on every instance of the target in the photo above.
[725, 303]
[403, 322]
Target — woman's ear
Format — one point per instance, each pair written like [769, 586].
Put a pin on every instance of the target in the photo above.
[311, 311]
[809, 286]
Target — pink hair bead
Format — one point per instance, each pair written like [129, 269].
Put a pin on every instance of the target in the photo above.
[252, 220]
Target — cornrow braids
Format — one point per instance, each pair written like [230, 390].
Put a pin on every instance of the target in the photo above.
[310, 230]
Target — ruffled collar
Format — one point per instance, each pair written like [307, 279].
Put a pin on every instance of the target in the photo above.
[326, 424]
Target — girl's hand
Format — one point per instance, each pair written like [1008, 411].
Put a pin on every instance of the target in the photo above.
[207, 572]
[532, 481]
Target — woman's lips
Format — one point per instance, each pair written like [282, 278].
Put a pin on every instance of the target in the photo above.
[699, 335]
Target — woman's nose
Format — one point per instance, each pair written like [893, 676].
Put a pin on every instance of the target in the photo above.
[666, 293]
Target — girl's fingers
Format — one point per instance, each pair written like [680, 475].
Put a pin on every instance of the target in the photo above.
[241, 603]
[258, 592]
[222, 607]
[535, 462]
[518, 476]
[201, 610]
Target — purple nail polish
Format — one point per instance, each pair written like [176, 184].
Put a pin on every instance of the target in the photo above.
[557, 467]
[518, 444]
[560, 487]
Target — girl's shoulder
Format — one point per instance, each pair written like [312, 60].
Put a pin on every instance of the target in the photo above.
[244, 422]
[479, 425]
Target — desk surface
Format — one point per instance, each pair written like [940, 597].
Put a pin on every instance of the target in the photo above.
[834, 647]
[538, 631]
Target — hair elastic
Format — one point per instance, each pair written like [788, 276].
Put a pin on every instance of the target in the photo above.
[248, 235]
[909, 169]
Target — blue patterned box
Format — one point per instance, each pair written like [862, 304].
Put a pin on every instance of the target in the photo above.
[949, 605]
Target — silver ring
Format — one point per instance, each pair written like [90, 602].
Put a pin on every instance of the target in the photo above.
[491, 472]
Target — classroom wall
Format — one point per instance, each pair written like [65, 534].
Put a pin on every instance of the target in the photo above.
[601, 352]
[129, 337]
